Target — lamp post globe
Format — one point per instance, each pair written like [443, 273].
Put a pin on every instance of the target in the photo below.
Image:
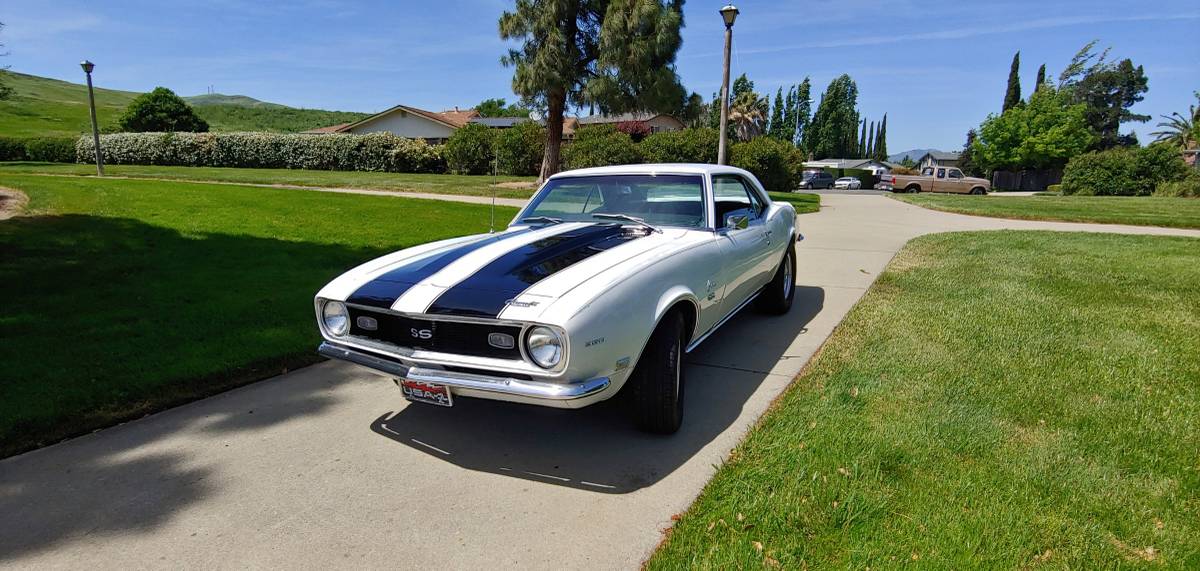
[87, 66]
[729, 13]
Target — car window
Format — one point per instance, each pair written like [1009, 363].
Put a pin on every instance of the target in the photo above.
[927, 171]
[941, 173]
[731, 196]
[666, 200]
[955, 174]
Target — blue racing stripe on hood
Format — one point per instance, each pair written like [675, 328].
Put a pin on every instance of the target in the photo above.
[384, 290]
[488, 290]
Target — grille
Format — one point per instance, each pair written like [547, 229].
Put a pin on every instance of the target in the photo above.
[444, 336]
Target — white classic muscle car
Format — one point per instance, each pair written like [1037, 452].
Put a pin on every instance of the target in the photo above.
[601, 282]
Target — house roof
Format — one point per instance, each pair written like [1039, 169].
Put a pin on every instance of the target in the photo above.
[846, 163]
[500, 122]
[329, 129]
[941, 155]
[604, 119]
[453, 119]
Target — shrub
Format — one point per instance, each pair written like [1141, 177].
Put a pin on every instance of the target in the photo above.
[636, 130]
[599, 146]
[12, 149]
[1123, 171]
[686, 146]
[470, 150]
[768, 159]
[519, 149]
[50, 149]
[371, 152]
[1187, 188]
[1054, 189]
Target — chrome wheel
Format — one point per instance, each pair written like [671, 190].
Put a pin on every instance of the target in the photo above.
[788, 281]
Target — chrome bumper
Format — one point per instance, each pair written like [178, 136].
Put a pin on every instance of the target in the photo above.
[506, 386]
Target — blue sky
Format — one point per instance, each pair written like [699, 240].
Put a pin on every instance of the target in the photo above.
[936, 67]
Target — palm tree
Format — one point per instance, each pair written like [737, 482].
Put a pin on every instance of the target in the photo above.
[1179, 130]
[748, 114]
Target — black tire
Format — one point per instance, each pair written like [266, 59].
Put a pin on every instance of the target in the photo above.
[913, 189]
[657, 381]
[777, 297]
[978, 191]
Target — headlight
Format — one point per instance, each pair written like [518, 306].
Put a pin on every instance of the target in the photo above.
[545, 346]
[337, 321]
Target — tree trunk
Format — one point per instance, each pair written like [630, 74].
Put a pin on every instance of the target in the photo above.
[556, 104]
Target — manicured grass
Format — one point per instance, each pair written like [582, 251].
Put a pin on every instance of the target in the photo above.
[1048, 415]
[1137, 210]
[435, 183]
[122, 297]
[803, 202]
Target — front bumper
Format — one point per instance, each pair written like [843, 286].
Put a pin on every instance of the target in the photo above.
[558, 395]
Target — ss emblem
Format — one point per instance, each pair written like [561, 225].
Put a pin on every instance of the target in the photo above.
[421, 333]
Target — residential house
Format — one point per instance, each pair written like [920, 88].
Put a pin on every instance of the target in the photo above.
[832, 165]
[434, 127]
[657, 122]
[938, 159]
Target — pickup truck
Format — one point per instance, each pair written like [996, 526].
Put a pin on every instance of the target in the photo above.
[935, 179]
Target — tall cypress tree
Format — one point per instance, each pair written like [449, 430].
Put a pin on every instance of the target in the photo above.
[881, 152]
[804, 116]
[1012, 97]
[1041, 77]
[870, 154]
[834, 128]
[789, 117]
[775, 128]
[862, 141]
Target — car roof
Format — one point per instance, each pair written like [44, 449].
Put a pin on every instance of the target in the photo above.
[655, 169]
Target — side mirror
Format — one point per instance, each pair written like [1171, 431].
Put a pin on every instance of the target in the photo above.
[737, 222]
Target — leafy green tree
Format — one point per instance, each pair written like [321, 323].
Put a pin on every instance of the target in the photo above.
[881, 152]
[776, 127]
[498, 107]
[1012, 96]
[692, 111]
[618, 55]
[161, 111]
[5, 90]
[1108, 90]
[966, 159]
[519, 149]
[471, 149]
[804, 117]
[835, 124]
[1044, 133]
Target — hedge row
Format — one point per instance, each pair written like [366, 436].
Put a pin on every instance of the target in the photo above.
[477, 149]
[1124, 171]
[43, 149]
[381, 152]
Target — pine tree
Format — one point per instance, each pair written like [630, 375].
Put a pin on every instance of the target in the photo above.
[775, 129]
[618, 55]
[862, 141]
[804, 117]
[1012, 97]
[789, 117]
[881, 152]
[1041, 78]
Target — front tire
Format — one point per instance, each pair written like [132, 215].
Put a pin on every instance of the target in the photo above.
[777, 297]
[657, 380]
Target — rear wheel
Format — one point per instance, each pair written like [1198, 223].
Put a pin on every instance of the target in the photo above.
[657, 380]
[913, 189]
[777, 297]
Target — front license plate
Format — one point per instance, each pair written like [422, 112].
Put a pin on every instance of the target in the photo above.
[418, 391]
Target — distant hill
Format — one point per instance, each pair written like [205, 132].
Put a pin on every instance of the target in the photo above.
[914, 153]
[49, 107]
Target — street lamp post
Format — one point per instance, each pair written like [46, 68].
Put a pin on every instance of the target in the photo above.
[87, 69]
[729, 14]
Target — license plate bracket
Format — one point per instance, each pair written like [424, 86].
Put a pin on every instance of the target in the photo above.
[429, 393]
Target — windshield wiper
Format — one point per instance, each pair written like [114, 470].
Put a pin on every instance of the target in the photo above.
[542, 219]
[628, 218]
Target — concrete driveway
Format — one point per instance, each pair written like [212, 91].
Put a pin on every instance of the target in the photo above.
[327, 466]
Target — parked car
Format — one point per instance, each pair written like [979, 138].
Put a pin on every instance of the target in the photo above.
[847, 183]
[600, 284]
[935, 179]
[816, 179]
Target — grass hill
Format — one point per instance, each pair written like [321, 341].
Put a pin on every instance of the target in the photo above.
[49, 107]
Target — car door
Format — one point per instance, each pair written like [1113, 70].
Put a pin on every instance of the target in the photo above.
[745, 247]
[954, 182]
[939, 180]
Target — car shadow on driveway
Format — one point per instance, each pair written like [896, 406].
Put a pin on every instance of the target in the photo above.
[597, 448]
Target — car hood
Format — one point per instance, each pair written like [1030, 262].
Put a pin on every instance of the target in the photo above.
[522, 267]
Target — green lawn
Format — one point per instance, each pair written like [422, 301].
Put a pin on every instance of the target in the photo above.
[1137, 210]
[123, 297]
[434, 183]
[1048, 415]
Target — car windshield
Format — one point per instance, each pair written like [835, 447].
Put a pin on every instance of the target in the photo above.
[660, 200]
